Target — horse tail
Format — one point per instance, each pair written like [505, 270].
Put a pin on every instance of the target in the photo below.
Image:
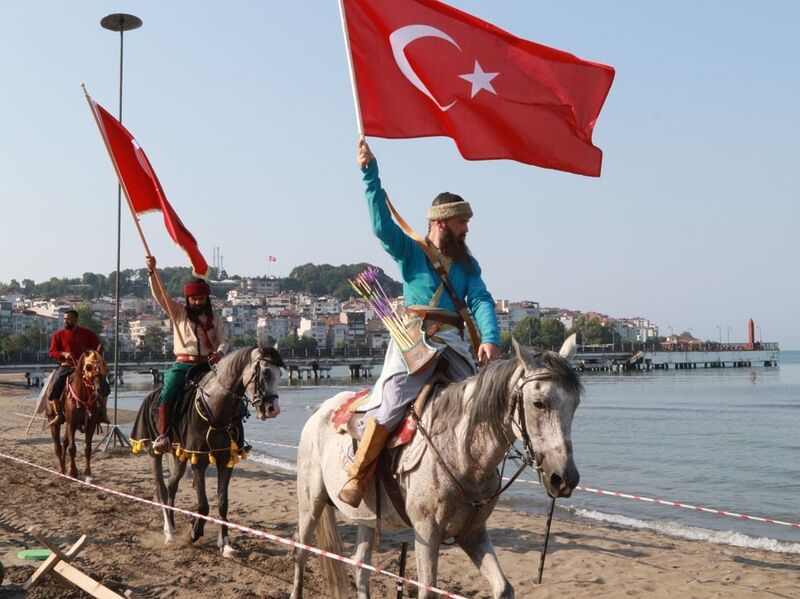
[328, 539]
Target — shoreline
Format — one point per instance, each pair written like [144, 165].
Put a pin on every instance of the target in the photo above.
[584, 559]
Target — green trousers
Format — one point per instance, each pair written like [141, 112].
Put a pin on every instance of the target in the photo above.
[174, 379]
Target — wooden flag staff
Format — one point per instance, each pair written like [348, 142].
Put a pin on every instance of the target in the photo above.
[156, 276]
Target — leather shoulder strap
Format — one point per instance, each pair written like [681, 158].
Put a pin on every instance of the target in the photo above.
[474, 335]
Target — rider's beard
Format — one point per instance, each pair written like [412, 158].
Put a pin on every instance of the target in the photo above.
[455, 247]
[69, 325]
[194, 313]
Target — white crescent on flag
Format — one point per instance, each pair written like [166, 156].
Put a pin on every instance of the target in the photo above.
[400, 38]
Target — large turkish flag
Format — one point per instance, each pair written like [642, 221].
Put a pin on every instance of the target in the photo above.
[424, 68]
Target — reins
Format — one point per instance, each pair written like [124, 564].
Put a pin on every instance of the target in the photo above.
[204, 410]
[527, 459]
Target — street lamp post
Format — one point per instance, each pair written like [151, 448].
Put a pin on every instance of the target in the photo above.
[729, 335]
[117, 22]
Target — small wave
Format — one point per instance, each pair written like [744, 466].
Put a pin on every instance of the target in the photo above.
[266, 459]
[693, 533]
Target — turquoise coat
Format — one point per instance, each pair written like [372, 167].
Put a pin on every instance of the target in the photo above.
[420, 280]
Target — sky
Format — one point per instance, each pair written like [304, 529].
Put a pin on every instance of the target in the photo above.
[246, 112]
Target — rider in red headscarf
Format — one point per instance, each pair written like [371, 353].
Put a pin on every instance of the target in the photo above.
[204, 342]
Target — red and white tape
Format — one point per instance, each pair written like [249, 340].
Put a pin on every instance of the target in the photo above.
[245, 529]
[622, 495]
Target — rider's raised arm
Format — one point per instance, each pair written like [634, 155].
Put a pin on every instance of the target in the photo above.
[169, 305]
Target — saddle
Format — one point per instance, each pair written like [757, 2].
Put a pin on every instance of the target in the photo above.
[184, 401]
[391, 459]
[346, 420]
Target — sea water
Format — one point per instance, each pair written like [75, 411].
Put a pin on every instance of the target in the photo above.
[724, 439]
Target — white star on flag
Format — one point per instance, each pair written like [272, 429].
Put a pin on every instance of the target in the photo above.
[480, 80]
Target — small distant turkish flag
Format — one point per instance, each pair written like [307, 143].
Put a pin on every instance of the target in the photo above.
[142, 187]
[423, 68]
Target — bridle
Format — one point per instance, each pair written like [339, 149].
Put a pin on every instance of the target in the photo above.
[526, 459]
[258, 399]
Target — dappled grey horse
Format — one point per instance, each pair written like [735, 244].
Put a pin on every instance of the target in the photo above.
[450, 483]
[206, 431]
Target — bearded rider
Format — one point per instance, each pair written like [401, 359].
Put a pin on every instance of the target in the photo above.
[204, 342]
[424, 296]
[67, 346]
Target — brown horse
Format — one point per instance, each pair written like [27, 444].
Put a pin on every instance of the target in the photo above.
[81, 400]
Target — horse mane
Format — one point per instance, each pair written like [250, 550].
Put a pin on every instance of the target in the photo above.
[238, 358]
[488, 404]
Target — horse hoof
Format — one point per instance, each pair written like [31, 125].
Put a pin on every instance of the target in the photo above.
[228, 551]
[169, 539]
[88, 479]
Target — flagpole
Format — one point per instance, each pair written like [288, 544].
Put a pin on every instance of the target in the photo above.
[359, 121]
[157, 277]
[117, 22]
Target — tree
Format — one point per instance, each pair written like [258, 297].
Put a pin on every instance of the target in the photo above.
[87, 320]
[551, 333]
[592, 331]
[527, 331]
[287, 343]
[246, 340]
[153, 340]
[306, 344]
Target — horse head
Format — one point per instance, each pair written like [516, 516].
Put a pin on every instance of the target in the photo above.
[93, 369]
[547, 392]
[263, 377]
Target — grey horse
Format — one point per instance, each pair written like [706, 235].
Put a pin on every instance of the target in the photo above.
[449, 484]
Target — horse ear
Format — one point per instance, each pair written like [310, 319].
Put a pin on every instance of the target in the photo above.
[569, 349]
[517, 349]
[271, 354]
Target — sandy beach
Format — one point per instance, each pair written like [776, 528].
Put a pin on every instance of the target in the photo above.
[125, 545]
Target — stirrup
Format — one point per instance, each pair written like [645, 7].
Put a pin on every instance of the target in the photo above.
[162, 444]
[352, 496]
[57, 419]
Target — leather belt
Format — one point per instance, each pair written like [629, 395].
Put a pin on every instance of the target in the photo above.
[191, 359]
[437, 316]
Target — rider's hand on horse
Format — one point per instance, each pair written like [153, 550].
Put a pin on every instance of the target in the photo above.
[214, 357]
[150, 261]
[364, 153]
[487, 352]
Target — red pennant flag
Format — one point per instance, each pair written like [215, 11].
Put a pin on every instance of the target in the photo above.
[423, 68]
[141, 186]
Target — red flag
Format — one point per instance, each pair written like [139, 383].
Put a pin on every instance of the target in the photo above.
[273, 259]
[423, 68]
[141, 186]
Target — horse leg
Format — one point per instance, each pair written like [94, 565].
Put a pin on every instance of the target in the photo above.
[71, 446]
[426, 547]
[87, 453]
[223, 481]
[162, 498]
[55, 433]
[199, 481]
[365, 541]
[177, 469]
[478, 546]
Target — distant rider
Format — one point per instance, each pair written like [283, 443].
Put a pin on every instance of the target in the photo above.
[67, 346]
[204, 341]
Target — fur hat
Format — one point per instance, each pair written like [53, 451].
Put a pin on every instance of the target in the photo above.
[447, 205]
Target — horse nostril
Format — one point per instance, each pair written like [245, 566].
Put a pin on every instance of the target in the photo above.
[556, 481]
